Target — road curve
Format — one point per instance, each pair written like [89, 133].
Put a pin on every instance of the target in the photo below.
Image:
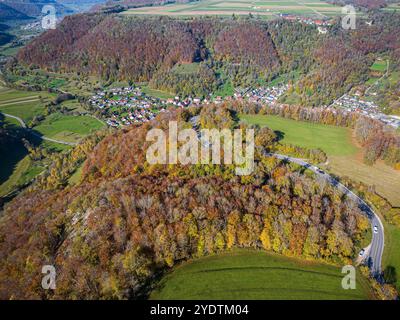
[23, 125]
[373, 253]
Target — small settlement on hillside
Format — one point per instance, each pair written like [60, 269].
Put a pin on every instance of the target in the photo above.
[126, 106]
[367, 108]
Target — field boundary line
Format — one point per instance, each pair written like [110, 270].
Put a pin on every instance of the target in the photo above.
[18, 102]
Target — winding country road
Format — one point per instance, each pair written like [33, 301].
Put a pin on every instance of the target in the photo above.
[373, 253]
[23, 125]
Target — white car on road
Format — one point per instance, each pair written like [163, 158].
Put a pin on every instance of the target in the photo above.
[375, 229]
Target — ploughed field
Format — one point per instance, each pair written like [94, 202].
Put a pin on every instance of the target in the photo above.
[251, 274]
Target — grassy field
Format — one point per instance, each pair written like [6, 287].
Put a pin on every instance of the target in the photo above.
[379, 65]
[156, 93]
[76, 176]
[16, 168]
[68, 128]
[24, 104]
[10, 156]
[377, 70]
[391, 255]
[68, 82]
[249, 274]
[333, 140]
[23, 172]
[345, 158]
[265, 8]
[385, 179]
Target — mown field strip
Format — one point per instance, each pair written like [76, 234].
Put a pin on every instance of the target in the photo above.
[19, 99]
[17, 102]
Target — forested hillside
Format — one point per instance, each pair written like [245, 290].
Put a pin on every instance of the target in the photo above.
[245, 51]
[127, 221]
[33, 8]
[9, 13]
[134, 49]
[364, 4]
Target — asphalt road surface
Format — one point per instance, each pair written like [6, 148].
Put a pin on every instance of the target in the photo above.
[373, 253]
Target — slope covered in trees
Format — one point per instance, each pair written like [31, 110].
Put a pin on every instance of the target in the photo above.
[110, 235]
[140, 49]
[33, 8]
[363, 4]
[245, 51]
[9, 13]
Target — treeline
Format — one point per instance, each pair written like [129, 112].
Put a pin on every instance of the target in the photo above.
[110, 235]
[5, 38]
[368, 192]
[246, 51]
[378, 140]
[363, 4]
[143, 49]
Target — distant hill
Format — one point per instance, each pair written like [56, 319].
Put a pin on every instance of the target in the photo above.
[5, 38]
[81, 5]
[4, 27]
[365, 4]
[9, 13]
[33, 8]
[127, 4]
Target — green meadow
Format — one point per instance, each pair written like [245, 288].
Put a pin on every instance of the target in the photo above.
[68, 128]
[345, 158]
[249, 274]
[24, 104]
[156, 93]
[379, 65]
[391, 256]
[16, 168]
[331, 139]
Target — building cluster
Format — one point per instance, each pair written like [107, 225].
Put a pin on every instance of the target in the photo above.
[306, 20]
[33, 26]
[125, 106]
[320, 24]
[367, 108]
